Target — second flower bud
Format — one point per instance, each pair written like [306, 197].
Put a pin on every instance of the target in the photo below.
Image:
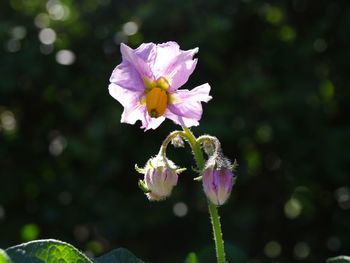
[218, 179]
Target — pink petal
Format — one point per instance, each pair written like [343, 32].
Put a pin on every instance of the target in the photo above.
[187, 108]
[147, 52]
[182, 121]
[180, 72]
[130, 100]
[166, 55]
[135, 58]
[132, 114]
[200, 93]
[126, 97]
[126, 76]
[151, 123]
[139, 112]
[133, 109]
[174, 64]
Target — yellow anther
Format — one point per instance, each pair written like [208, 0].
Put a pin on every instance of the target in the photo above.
[148, 83]
[162, 83]
[156, 102]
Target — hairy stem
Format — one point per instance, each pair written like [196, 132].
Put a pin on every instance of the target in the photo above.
[213, 211]
[168, 139]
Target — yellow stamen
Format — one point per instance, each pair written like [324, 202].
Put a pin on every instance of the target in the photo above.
[162, 83]
[156, 102]
[149, 84]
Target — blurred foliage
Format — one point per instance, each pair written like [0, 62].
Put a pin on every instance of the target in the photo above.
[278, 71]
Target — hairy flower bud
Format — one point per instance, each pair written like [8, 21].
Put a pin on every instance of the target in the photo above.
[160, 177]
[218, 180]
[209, 147]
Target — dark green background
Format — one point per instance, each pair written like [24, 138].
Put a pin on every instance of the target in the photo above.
[279, 72]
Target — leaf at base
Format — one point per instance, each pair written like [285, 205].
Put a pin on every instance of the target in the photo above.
[339, 259]
[46, 251]
[4, 257]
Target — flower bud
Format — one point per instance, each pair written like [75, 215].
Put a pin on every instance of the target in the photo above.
[218, 181]
[178, 142]
[160, 177]
[209, 147]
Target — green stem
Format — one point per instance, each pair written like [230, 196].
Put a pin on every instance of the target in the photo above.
[219, 242]
[198, 154]
[213, 211]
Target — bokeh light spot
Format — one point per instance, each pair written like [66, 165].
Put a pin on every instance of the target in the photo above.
[18, 32]
[120, 37]
[253, 159]
[65, 57]
[264, 133]
[327, 90]
[130, 28]
[292, 208]
[320, 45]
[301, 250]
[8, 121]
[342, 195]
[47, 36]
[273, 14]
[30, 232]
[42, 20]
[95, 247]
[57, 10]
[180, 209]
[287, 34]
[272, 249]
[57, 144]
[13, 45]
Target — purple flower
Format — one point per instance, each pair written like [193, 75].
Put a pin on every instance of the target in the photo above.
[161, 176]
[217, 184]
[147, 84]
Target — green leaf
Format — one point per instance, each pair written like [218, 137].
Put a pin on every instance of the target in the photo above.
[46, 251]
[339, 259]
[4, 257]
[121, 255]
[191, 258]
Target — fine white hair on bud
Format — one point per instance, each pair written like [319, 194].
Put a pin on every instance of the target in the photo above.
[160, 176]
[209, 147]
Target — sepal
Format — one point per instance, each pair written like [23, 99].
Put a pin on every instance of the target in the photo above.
[143, 187]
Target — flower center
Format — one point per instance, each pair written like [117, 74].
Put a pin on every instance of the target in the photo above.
[156, 96]
[156, 102]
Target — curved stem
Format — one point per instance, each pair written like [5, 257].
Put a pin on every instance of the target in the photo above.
[213, 211]
[214, 140]
[196, 148]
[168, 139]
